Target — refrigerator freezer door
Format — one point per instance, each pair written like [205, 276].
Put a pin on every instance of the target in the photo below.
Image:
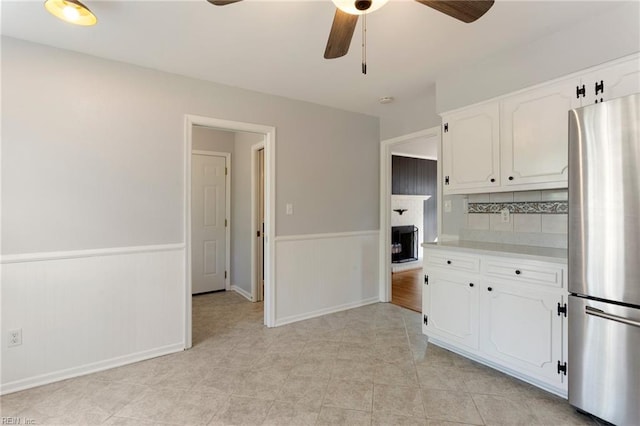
[604, 360]
[604, 200]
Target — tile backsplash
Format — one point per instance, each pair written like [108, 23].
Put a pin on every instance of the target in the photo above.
[537, 218]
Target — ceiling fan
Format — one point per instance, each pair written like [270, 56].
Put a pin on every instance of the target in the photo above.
[348, 11]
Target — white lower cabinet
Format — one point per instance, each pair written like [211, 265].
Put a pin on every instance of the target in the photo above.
[516, 326]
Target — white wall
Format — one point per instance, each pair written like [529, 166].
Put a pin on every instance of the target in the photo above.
[93, 158]
[208, 139]
[409, 114]
[587, 43]
[241, 210]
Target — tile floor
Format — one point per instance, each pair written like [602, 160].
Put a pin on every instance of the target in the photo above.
[365, 366]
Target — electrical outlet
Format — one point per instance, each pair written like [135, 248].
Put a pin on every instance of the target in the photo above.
[447, 206]
[15, 337]
[289, 209]
[504, 215]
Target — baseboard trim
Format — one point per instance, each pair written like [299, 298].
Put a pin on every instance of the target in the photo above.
[242, 292]
[82, 370]
[326, 311]
[76, 254]
[328, 235]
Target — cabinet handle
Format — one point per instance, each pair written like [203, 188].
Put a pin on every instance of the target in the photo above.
[492, 180]
[510, 177]
[470, 284]
[489, 289]
[518, 272]
[448, 262]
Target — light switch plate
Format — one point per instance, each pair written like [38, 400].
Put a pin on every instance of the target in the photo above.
[289, 209]
[505, 215]
[447, 206]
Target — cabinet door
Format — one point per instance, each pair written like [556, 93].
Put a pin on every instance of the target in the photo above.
[471, 145]
[534, 141]
[615, 81]
[521, 328]
[450, 304]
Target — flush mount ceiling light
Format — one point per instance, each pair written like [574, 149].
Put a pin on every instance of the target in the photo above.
[71, 11]
[359, 7]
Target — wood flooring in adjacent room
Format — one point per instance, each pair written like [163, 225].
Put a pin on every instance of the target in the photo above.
[406, 289]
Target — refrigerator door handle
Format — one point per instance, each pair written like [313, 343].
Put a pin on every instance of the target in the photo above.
[602, 314]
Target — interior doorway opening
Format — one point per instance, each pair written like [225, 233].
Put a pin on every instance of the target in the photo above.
[406, 209]
[250, 194]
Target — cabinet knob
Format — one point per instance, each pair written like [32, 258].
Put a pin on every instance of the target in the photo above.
[518, 272]
[489, 289]
[448, 262]
[470, 284]
[493, 180]
[510, 177]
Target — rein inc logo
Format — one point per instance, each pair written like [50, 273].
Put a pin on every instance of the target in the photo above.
[17, 421]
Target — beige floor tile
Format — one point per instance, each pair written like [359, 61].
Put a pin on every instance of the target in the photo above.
[492, 382]
[321, 349]
[151, 405]
[432, 422]
[351, 369]
[436, 377]
[304, 391]
[452, 406]
[224, 380]
[351, 395]
[388, 419]
[400, 374]
[553, 410]
[313, 367]
[401, 400]
[242, 411]
[262, 384]
[498, 410]
[287, 413]
[331, 416]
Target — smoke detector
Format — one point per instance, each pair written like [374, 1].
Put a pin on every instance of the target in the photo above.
[386, 99]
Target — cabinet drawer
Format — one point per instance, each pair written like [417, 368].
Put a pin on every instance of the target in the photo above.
[545, 274]
[453, 261]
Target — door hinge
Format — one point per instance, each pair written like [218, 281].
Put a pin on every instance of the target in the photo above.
[446, 180]
[225, 223]
[562, 309]
[258, 234]
[580, 91]
[599, 87]
[225, 275]
[446, 127]
[226, 171]
[425, 319]
[426, 279]
[562, 368]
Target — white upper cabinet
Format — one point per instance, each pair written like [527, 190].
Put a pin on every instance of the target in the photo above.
[533, 135]
[471, 149]
[614, 81]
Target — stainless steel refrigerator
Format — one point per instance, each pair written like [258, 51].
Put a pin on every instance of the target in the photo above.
[604, 260]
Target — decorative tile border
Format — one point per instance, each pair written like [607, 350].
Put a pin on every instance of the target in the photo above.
[523, 207]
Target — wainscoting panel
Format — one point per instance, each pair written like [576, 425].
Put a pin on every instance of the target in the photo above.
[320, 274]
[80, 314]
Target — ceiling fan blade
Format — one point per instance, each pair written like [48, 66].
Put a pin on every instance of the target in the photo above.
[341, 34]
[463, 10]
[222, 2]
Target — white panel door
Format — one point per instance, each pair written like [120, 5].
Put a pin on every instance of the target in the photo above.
[450, 303]
[208, 233]
[521, 328]
[533, 138]
[471, 149]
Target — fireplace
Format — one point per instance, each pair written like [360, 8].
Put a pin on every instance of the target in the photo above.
[404, 243]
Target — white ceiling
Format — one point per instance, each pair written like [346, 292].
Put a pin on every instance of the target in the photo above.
[277, 47]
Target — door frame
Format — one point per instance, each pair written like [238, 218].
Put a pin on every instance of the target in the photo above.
[227, 210]
[255, 209]
[269, 133]
[384, 244]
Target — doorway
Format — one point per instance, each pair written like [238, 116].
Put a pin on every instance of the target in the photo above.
[258, 221]
[267, 134]
[430, 137]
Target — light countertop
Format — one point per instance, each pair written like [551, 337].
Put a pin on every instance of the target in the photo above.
[545, 254]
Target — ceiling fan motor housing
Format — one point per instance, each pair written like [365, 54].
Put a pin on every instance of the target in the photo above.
[362, 4]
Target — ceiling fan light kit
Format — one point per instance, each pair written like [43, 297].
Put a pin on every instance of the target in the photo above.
[71, 11]
[359, 7]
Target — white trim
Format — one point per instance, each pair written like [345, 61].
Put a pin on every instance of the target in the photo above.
[328, 235]
[384, 248]
[254, 219]
[321, 312]
[269, 133]
[422, 157]
[93, 367]
[76, 254]
[242, 292]
[227, 210]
